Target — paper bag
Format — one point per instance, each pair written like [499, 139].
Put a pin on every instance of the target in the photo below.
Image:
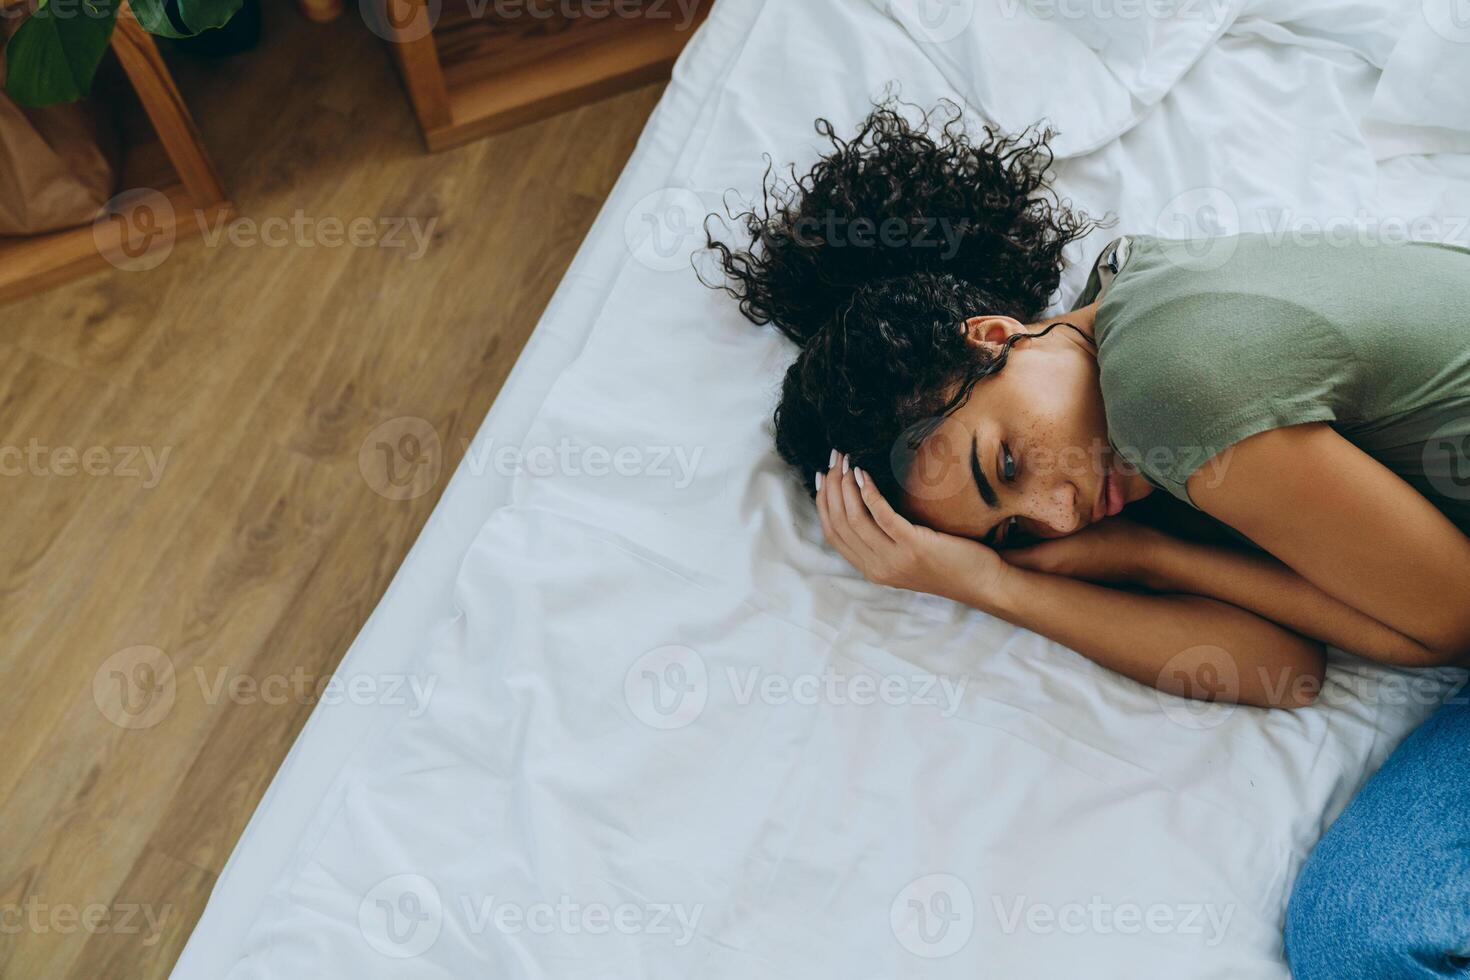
[57, 163]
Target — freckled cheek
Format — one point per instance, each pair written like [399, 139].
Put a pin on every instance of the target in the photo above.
[1057, 471]
[1037, 446]
[1058, 450]
[1036, 503]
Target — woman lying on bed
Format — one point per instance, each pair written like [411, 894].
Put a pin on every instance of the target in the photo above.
[1314, 398]
[1072, 474]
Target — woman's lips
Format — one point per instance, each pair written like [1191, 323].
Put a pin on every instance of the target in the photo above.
[1114, 488]
[1109, 497]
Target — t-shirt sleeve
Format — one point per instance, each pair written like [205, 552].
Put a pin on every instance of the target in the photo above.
[1185, 380]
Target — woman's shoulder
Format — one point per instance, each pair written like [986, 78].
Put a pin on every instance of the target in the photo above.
[1192, 359]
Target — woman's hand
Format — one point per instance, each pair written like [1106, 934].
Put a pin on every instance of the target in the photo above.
[1115, 550]
[892, 551]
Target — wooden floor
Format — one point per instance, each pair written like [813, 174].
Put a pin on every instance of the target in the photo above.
[252, 544]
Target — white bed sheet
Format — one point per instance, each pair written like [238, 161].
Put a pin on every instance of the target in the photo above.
[647, 752]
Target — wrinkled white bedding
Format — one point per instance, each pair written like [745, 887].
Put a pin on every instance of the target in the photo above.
[673, 735]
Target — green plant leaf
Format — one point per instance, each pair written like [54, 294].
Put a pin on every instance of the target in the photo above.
[54, 55]
[189, 17]
[155, 20]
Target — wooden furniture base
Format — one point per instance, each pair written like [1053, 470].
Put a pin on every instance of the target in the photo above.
[475, 67]
[161, 152]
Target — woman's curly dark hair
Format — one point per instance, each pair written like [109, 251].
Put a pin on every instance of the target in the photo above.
[873, 261]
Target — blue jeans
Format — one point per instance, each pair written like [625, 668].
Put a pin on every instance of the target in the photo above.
[1386, 894]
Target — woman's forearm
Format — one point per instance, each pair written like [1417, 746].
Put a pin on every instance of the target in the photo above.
[1261, 584]
[1188, 645]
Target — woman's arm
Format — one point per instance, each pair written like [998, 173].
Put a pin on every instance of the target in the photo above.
[1183, 644]
[1353, 529]
[1260, 583]
[1121, 551]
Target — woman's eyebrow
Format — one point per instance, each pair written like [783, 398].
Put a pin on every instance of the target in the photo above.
[987, 492]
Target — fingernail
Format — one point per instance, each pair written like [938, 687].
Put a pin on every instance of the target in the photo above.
[819, 481]
[846, 463]
[832, 460]
[859, 475]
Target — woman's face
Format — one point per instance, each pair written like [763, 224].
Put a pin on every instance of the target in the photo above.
[1027, 456]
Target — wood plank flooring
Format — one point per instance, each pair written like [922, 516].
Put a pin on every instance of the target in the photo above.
[225, 521]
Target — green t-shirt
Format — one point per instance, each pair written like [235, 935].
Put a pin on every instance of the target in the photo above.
[1203, 344]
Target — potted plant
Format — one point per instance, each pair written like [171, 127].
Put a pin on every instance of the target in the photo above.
[53, 55]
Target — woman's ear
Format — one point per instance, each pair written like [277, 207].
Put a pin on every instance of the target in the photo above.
[982, 331]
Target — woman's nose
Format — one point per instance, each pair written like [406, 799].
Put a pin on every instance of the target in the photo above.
[1056, 510]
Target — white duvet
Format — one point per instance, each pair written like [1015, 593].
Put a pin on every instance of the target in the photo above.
[672, 735]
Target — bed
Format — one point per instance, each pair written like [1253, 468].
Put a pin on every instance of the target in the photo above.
[645, 724]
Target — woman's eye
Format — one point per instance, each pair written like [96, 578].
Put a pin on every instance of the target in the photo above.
[1008, 462]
